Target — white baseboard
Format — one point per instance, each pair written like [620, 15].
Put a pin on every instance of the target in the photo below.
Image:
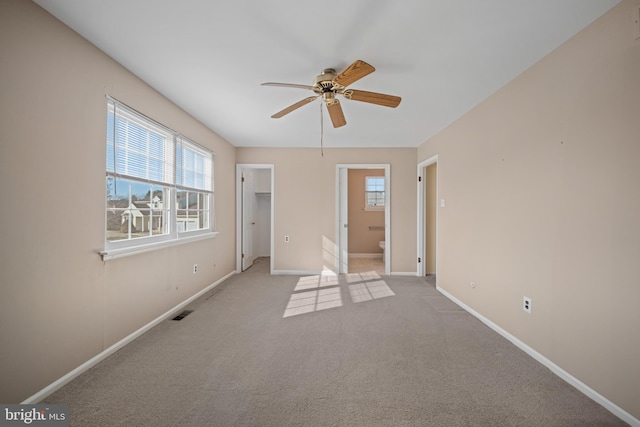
[59, 383]
[324, 272]
[404, 273]
[597, 397]
[298, 272]
[373, 255]
[329, 272]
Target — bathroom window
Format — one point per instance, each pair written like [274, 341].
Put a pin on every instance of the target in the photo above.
[374, 193]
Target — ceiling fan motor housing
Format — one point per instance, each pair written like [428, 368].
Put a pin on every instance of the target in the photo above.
[324, 82]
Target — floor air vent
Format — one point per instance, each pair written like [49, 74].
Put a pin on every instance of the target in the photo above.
[183, 315]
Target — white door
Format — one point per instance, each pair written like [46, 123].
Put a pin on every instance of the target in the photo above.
[248, 218]
[427, 209]
[343, 220]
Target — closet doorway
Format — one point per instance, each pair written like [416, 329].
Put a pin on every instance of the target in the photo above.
[254, 214]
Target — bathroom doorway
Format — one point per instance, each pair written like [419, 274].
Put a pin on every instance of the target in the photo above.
[363, 233]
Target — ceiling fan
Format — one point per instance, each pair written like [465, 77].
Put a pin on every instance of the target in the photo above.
[329, 84]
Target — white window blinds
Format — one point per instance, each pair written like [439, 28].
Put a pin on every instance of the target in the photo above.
[137, 147]
[193, 166]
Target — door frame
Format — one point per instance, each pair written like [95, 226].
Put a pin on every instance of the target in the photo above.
[342, 207]
[248, 217]
[422, 216]
[240, 167]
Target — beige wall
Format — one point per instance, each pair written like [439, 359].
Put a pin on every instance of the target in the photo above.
[60, 304]
[361, 239]
[305, 203]
[541, 184]
[431, 188]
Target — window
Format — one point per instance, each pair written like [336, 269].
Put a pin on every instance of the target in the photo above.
[374, 192]
[193, 187]
[159, 184]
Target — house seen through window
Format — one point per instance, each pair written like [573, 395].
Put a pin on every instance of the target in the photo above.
[159, 183]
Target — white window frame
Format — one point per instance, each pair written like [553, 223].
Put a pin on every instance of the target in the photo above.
[204, 186]
[367, 207]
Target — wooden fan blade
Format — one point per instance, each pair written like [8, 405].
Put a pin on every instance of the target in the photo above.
[287, 85]
[354, 72]
[294, 107]
[373, 97]
[336, 114]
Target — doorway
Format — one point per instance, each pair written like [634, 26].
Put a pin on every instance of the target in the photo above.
[254, 214]
[428, 218]
[372, 197]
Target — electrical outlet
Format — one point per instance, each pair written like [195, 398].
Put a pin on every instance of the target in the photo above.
[286, 239]
[472, 284]
[195, 268]
[526, 304]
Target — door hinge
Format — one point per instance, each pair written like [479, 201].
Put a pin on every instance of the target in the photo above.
[242, 255]
[419, 259]
[419, 179]
[243, 179]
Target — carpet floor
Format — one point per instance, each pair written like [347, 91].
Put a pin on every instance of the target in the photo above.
[349, 350]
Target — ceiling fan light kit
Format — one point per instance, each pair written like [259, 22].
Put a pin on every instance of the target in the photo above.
[329, 84]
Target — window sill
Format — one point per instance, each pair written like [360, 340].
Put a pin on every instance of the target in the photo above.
[374, 208]
[108, 255]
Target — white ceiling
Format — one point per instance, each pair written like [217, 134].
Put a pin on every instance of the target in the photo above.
[442, 57]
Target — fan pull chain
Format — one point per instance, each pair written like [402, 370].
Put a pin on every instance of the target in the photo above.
[321, 130]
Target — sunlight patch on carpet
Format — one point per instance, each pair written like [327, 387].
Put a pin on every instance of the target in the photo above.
[368, 291]
[315, 282]
[362, 277]
[310, 301]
